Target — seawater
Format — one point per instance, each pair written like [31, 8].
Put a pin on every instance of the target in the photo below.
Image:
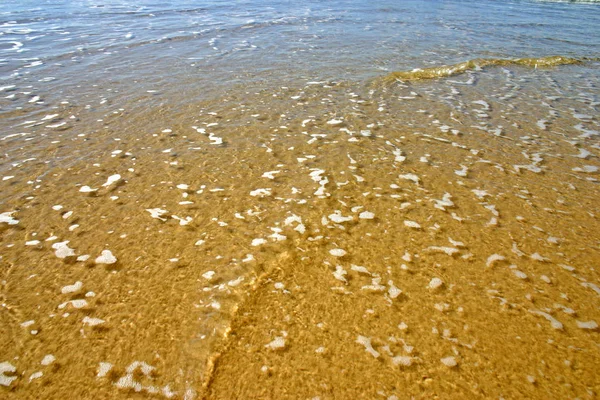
[299, 200]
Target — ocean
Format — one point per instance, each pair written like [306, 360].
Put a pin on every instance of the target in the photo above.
[320, 199]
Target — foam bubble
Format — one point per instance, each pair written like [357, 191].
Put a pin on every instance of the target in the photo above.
[435, 283]
[72, 288]
[270, 174]
[157, 213]
[337, 252]
[106, 257]
[92, 321]
[277, 343]
[6, 217]
[112, 179]
[103, 369]
[258, 242]
[36, 375]
[590, 325]
[365, 341]
[87, 189]
[411, 177]
[261, 192]
[412, 224]
[208, 275]
[449, 362]
[553, 321]
[338, 218]
[62, 250]
[366, 215]
[339, 273]
[404, 361]
[494, 258]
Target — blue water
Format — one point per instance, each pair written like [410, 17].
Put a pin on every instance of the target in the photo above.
[283, 39]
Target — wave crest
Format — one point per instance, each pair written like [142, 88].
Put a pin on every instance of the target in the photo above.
[478, 63]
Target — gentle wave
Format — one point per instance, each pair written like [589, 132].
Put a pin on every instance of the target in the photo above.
[478, 63]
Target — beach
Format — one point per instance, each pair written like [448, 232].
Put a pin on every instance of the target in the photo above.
[323, 201]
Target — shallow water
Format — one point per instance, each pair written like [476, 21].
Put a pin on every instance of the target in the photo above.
[234, 202]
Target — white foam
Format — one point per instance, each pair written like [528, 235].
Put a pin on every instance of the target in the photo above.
[375, 285]
[538, 257]
[277, 343]
[398, 156]
[443, 249]
[32, 243]
[214, 139]
[591, 325]
[258, 241]
[365, 341]
[553, 321]
[480, 193]
[359, 269]
[106, 257]
[5, 366]
[411, 177]
[87, 189]
[261, 192]
[494, 258]
[412, 224]
[449, 362]
[157, 213]
[6, 217]
[462, 172]
[337, 252]
[520, 274]
[366, 215]
[542, 124]
[270, 174]
[445, 202]
[72, 288]
[339, 273]
[586, 168]
[92, 321]
[338, 218]
[334, 122]
[584, 154]
[48, 359]
[393, 291]
[182, 221]
[112, 179]
[456, 243]
[208, 275]
[27, 323]
[435, 283]
[590, 285]
[62, 250]
[404, 361]
[36, 375]
[78, 303]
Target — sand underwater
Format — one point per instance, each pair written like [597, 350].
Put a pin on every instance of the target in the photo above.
[386, 238]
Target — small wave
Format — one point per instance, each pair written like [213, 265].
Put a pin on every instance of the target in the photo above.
[569, 1]
[478, 63]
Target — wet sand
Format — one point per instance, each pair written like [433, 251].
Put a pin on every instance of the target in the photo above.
[325, 240]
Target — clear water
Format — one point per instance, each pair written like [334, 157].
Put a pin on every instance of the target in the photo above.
[244, 200]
